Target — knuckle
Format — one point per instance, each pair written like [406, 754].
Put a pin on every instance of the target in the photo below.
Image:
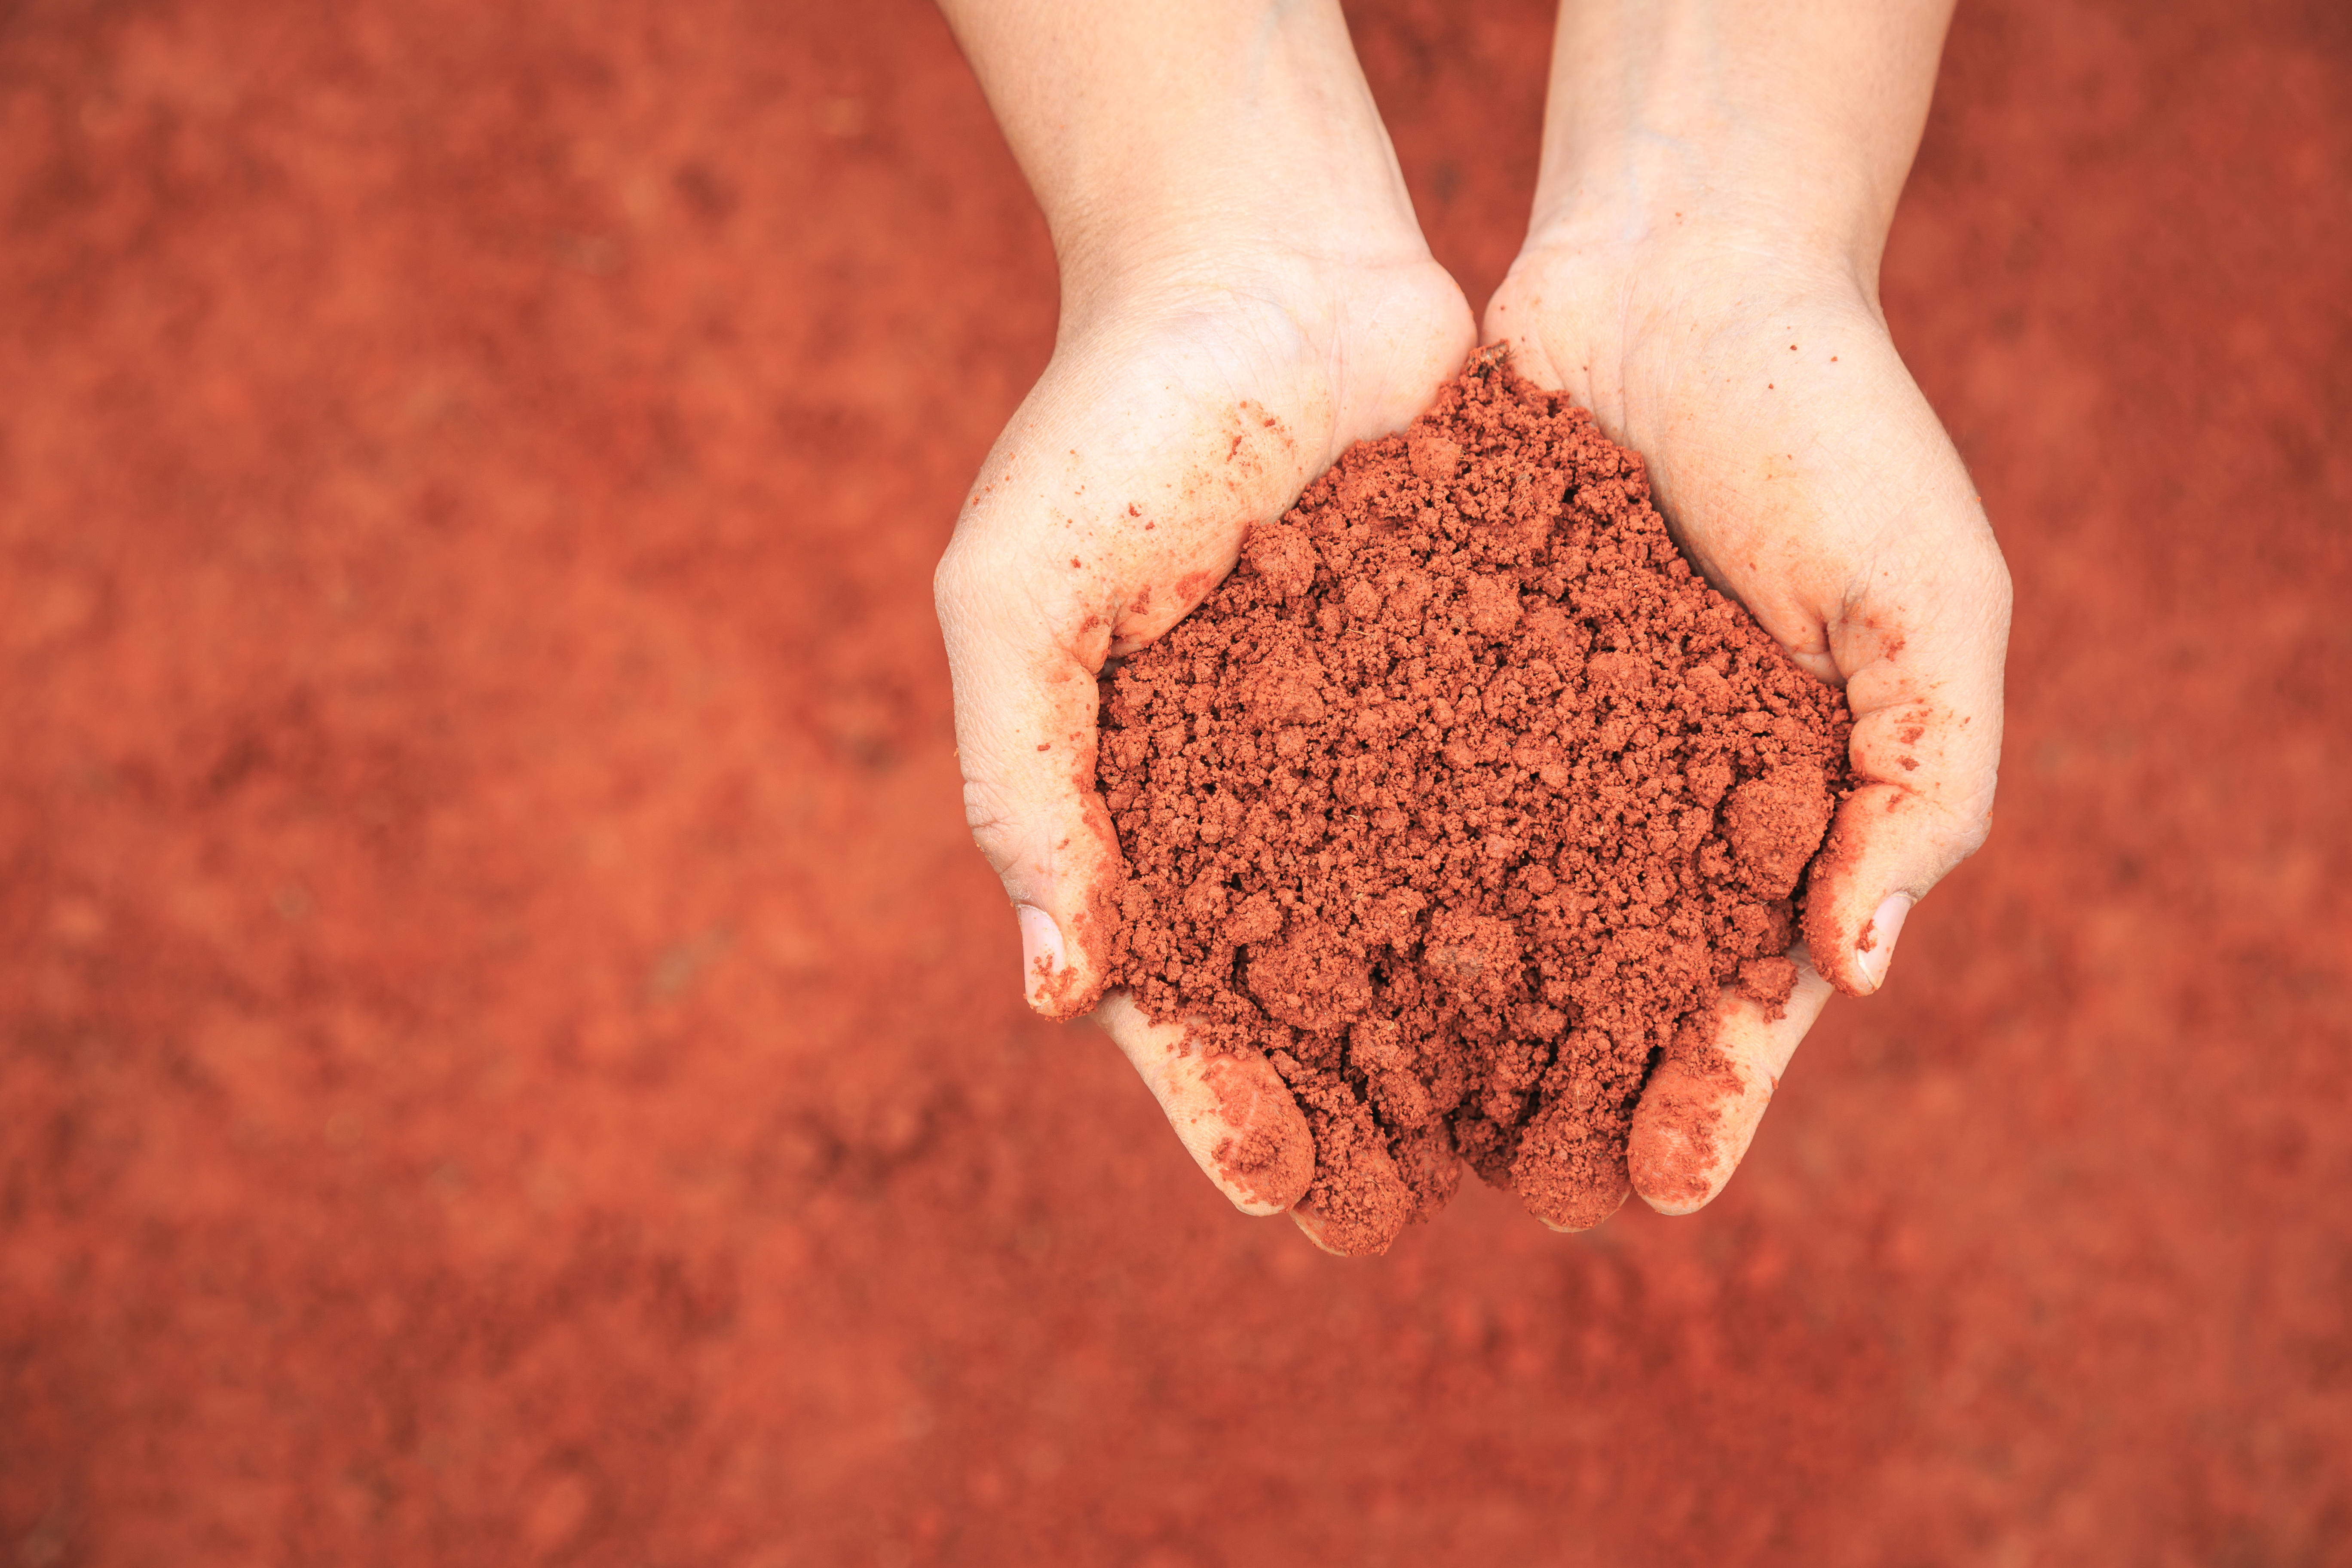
[1974, 829]
[996, 828]
[958, 583]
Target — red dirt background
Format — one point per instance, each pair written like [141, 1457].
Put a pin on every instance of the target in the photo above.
[509, 1057]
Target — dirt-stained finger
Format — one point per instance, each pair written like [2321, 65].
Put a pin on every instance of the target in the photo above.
[1926, 691]
[1026, 741]
[1703, 1100]
[1315, 1228]
[1229, 1109]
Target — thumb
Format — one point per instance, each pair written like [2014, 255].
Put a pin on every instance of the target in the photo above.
[1025, 705]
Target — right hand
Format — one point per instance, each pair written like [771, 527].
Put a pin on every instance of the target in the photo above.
[1189, 399]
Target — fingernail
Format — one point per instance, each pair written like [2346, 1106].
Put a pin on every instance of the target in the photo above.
[1041, 945]
[1876, 951]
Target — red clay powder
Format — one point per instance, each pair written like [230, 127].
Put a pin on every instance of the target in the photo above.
[1462, 797]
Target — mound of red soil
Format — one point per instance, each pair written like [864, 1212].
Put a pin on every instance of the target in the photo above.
[1462, 797]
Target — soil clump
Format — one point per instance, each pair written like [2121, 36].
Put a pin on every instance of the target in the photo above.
[1462, 797]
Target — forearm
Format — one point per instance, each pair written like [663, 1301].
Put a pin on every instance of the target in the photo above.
[1792, 118]
[1148, 130]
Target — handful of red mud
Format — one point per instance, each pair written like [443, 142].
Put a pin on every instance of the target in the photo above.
[1461, 798]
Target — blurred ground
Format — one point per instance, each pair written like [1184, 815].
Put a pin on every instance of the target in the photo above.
[506, 1054]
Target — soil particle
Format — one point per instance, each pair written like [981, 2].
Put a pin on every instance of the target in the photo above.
[1771, 981]
[1461, 798]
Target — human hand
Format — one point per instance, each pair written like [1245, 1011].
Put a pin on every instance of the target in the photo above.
[1719, 315]
[1243, 296]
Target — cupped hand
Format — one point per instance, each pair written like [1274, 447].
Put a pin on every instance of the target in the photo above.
[1800, 466]
[1184, 402]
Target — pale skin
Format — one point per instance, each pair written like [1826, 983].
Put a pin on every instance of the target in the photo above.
[1245, 292]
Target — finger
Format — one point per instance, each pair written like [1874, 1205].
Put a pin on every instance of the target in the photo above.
[1364, 1202]
[1701, 1106]
[1316, 1228]
[1569, 1172]
[1366, 1190]
[1921, 641]
[1231, 1111]
[1025, 714]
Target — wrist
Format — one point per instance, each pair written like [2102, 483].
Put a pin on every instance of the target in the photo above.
[1172, 254]
[1639, 199]
[1157, 137]
[1786, 131]
[1229, 209]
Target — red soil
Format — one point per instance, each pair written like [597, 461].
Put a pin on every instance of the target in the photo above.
[1461, 799]
[509, 1055]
